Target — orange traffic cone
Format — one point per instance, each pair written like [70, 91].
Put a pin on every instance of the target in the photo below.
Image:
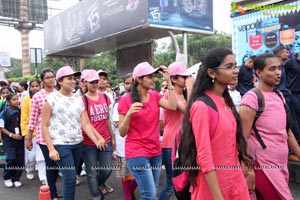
[44, 193]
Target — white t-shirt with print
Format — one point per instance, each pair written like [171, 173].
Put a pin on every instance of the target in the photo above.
[65, 125]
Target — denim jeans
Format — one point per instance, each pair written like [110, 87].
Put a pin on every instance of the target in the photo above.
[51, 171]
[168, 188]
[146, 172]
[98, 166]
[70, 156]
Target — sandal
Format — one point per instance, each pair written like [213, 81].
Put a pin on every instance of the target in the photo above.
[103, 189]
[108, 188]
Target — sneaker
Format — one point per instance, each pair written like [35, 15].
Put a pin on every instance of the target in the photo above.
[17, 184]
[83, 173]
[60, 174]
[8, 183]
[44, 182]
[30, 176]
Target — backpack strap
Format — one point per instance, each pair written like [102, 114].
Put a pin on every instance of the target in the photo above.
[105, 96]
[213, 112]
[86, 102]
[288, 119]
[261, 107]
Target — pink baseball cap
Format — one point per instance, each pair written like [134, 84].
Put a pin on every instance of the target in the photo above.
[178, 68]
[91, 75]
[66, 71]
[143, 69]
[83, 74]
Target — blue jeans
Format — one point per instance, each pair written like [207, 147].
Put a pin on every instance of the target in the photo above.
[70, 156]
[51, 171]
[168, 189]
[98, 166]
[146, 172]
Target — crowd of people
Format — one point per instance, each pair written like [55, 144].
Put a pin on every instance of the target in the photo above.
[48, 126]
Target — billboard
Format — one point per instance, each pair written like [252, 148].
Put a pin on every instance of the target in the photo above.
[4, 59]
[90, 20]
[186, 15]
[92, 26]
[262, 31]
[37, 10]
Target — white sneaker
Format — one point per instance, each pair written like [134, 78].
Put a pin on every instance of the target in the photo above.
[44, 182]
[8, 183]
[77, 180]
[17, 184]
[83, 173]
[30, 176]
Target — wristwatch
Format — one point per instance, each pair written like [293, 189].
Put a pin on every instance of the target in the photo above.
[10, 135]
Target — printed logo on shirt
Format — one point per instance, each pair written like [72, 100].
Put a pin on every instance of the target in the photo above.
[98, 112]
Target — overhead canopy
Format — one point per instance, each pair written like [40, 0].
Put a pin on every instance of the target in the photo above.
[91, 27]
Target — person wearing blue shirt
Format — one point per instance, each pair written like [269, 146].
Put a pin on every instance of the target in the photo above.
[246, 76]
[13, 141]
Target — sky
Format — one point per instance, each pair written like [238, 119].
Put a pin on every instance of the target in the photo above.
[11, 38]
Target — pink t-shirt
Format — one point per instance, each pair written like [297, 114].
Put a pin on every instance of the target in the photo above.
[271, 126]
[217, 152]
[97, 112]
[143, 133]
[172, 123]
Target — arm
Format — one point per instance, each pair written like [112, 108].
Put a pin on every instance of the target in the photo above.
[32, 122]
[124, 120]
[247, 115]
[213, 184]
[293, 145]
[189, 83]
[12, 135]
[91, 131]
[46, 115]
[112, 135]
[171, 103]
[25, 112]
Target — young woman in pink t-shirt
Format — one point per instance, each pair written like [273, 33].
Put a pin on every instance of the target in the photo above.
[139, 117]
[270, 164]
[216, 154]
[172, 121]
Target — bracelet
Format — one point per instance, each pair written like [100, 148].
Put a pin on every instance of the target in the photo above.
[10, 135]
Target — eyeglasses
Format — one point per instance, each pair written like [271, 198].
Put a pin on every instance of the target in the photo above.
[226, 67]
[164, 86]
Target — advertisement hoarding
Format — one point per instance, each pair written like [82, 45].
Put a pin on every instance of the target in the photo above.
[93, 26]
[262, 31]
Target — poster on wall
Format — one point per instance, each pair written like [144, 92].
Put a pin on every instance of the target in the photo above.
[189, 15]
[260, 32]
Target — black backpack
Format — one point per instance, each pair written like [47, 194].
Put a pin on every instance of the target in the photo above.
[261, 107]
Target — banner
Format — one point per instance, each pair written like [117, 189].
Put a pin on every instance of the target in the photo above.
[260, 32]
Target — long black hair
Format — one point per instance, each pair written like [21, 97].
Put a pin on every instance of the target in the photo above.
[203, 82]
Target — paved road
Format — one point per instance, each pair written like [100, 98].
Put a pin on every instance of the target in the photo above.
[30, 189]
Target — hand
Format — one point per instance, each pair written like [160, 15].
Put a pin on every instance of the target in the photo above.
[101, 144]
[164, 72]
[16, 137]
[54, 155]
[28, 143]
[189, 82]
[134, 108]
[250, 180]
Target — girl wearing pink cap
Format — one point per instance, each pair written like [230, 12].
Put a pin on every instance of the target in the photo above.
[98, 162]
[139, 118]
[172, 120]
[63, 117]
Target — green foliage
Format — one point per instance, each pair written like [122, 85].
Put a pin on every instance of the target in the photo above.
[19, 79]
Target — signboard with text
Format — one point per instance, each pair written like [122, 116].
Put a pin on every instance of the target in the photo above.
[260, 32]
[93, 26]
